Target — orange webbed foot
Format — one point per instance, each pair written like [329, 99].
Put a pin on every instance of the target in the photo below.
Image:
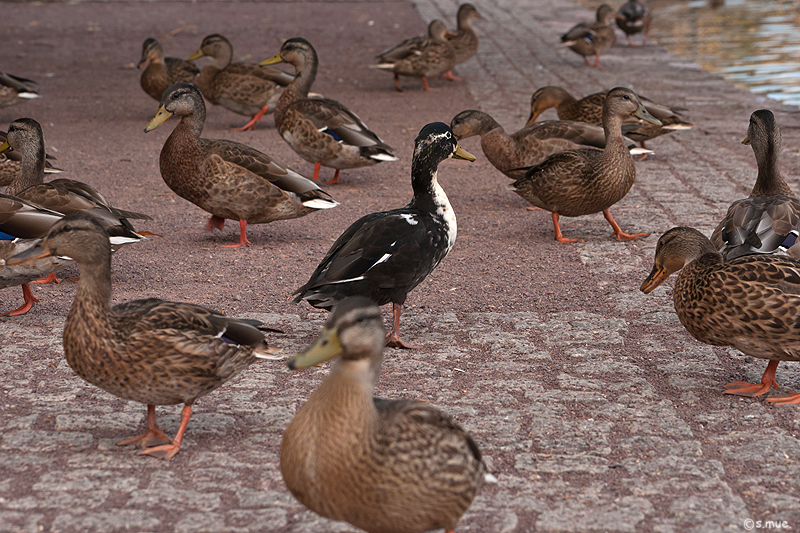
[789, 398]
[741, 388]
[166, 451]
[393, 340]
[152, 437]
[622, 236]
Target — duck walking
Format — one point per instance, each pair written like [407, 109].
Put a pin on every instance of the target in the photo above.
[634, 17]
[769, 219]
[592, 38]
[464, 41]
[580, 182]
[149, 351]
[321, 130]
[385, 255]
[385, 466]
[230, 180]
[751, 303]
[243, 88]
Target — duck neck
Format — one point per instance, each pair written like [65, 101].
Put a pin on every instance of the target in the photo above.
[92, 302]
[223, 57]
[32, 168]
[612, 128]
[191, 125]
[298, 89]
[769, 181]
[429, 197]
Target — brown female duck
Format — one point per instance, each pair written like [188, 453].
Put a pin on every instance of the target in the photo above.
[15, 90]
[751, 303]
[769, 219]
[464, 41]
[580, 182]
[228, 179]
[526, 147]
[590, 109]
[592, 38]
[634, 17]
[161, 72]
[243, 88]
[321, 130]
[11, 164]
[431, 57]
[148, 351]
[385, 466]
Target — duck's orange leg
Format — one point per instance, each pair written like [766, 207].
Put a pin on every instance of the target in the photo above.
[242, 237]
[618, 233]
[397, 83]
[741, 388]
[252, 124]
[425, 83]
[51, 278]
[449, 76]
[168, 451]
[317, 166]
[153, 436]
[30, 299]
[557, 228]
[393, 338]
[335, 179]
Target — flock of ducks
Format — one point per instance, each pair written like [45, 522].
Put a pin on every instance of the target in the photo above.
[381, 465]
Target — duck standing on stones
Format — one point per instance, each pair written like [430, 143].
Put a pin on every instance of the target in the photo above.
[464, 41]
[228, 179]
[15, 90]
[580, 182]
[321, 130]
[243, 88]
[769, 219]
[751, 303]
[634, 17]
[149, 351]
[590, 109]
[385, 255]
[381, 465]
[161, 72]
[420, 58]
[592, 38]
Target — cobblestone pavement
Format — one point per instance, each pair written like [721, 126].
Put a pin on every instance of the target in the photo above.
[593, 407]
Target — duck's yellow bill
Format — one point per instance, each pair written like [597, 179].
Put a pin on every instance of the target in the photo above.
[274, 60]
[326, 348]
[656, 278]
[196, 55]
[463, 154]
[161, 117]
[5, 146]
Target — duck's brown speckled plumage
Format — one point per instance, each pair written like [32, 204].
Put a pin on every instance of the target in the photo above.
[384, 466]
[321, 130]
[581, 182]
[751, 303]
[149, 351]
[590, 109]
[526, 147]
[161, 72]
[228, 179]
[465, 41]
[11, 164]
[769, 219]
[634, 17]
[430, 57]
[592, 38]
[243, 88]
[15, 89]
[65, 196]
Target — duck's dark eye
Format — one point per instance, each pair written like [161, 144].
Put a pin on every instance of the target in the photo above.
[626, 97]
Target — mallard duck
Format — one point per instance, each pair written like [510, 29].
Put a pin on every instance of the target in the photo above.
[590, 109]
[321, 131]
[15, 89]
[634, 17]
[149, 351]
[385, 255]
[530, 145]
[11, 164]
[464, 41]
[592, 38]
[580, 182]
[243, 88]
[769, 219]
[61, 195]
[21, 224]
[228, 179]
[161, 72]
[751, 303]
[381, 465]
[433, 56]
